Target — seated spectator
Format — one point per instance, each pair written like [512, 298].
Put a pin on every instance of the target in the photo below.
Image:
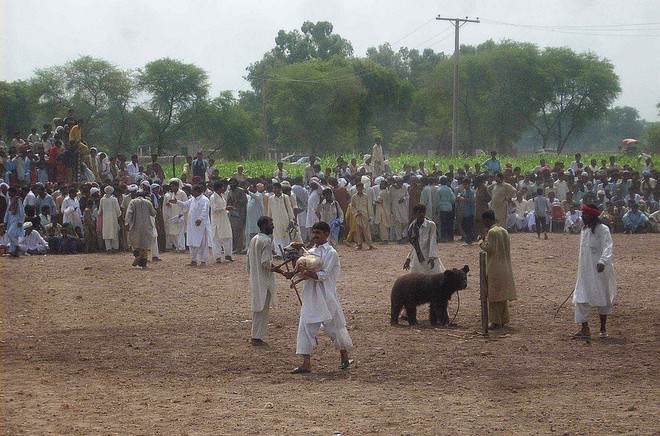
[635, 221]
[4, 239]
[32, 242]
[573, 220]
[68, 240]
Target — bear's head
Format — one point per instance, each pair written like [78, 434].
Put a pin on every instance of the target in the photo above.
[456, 279]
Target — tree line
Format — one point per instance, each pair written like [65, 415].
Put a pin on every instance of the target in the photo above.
[312, 93]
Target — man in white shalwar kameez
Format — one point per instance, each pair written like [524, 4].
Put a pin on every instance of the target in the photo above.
[423, 256]
[596, 282]
[174, 217]
[109, 208]
[280, 210]
[199, 225]
[220, 225]
[262, 280]
[399, 208]
[32, 242]
[320, 303]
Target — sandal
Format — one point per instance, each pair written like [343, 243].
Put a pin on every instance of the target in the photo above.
[346, 364]
[602, 335]
[299, 370]
[582, 334]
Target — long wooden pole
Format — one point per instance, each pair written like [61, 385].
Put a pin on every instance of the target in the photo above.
[483, 293]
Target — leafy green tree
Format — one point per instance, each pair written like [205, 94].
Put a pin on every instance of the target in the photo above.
[93, 87]
[651, 138]
[577, 88]
[16, 108]
[175, 89]
[223, 124]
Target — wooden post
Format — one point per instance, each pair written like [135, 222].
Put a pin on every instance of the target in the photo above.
[483, 293]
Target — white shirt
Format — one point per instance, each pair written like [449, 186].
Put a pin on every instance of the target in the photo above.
[320, 302]
[33, 241]
[597, 289]
[198, 210]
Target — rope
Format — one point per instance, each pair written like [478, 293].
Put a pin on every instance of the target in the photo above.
[458, 306]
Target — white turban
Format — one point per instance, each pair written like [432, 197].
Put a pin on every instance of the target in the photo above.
[27, 225]
[342, 182]
[132, 188]
[108, 189]
[366, 156]
[93, 191]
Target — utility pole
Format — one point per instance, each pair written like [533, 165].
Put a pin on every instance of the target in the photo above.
[263, 108]
[457, 22]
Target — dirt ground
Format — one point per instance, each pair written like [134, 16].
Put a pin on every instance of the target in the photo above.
[93, 346]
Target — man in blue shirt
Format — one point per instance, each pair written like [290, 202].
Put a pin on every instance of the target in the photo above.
[467, 197]
[493, 164]
[635, 220]
[446, 200]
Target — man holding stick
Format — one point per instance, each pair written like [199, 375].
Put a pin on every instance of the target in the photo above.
[320, 303]
[262, 280]
[596, 282]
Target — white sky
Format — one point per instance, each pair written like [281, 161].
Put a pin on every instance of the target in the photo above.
[223, 37]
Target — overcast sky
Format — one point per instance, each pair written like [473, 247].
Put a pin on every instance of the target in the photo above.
[223, 37]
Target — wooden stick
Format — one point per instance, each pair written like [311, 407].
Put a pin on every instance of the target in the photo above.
[483, 292]
[288, 270]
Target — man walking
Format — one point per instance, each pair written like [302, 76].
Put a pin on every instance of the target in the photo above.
[140, 227]
[320, 304]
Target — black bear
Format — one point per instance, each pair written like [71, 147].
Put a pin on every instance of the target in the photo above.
[414, 289]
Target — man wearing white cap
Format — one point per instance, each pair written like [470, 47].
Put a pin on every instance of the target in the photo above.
[111, 212]
[32, 242]
[174, 217]
[378, 158]
[220, 225]
[199, 225]
[280, 210]
[312, 202]
[71, 209]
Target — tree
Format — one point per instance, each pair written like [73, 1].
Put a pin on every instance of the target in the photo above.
[16, 108]
[175, 90]
[224, 125]
[313, 41]
[93, 87]
[576, 88]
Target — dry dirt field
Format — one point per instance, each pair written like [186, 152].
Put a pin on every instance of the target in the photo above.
[91, 346]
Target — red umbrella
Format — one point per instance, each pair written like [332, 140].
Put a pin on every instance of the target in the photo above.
[629, 141]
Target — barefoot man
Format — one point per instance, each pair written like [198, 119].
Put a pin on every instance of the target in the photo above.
[320, 303]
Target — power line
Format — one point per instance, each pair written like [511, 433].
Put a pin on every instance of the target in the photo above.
[606, 30]
[419, 28]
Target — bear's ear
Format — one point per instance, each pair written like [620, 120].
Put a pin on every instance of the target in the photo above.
[466, 269]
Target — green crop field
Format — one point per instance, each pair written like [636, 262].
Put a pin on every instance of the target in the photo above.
[259, 168]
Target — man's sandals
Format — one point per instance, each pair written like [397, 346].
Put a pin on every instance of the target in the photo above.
[343, 366]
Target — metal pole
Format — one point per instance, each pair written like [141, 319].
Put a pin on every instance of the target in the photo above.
[454, 129]
[263, 108]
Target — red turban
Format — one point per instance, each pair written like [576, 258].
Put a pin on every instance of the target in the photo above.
[590, 211]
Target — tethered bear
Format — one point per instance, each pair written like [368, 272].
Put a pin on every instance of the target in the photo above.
[414, 289]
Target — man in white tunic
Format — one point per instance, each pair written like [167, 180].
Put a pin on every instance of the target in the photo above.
[280, 210]
[70, 209]
[399, 208]
[174, 217]
[596, 282]
[32, 242]
[262, 280]
[199, 225]
[220, 225]
[423, 256]
[320, 303]
[109, 208]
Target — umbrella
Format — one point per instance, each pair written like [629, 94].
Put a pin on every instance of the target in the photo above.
[629, 141]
